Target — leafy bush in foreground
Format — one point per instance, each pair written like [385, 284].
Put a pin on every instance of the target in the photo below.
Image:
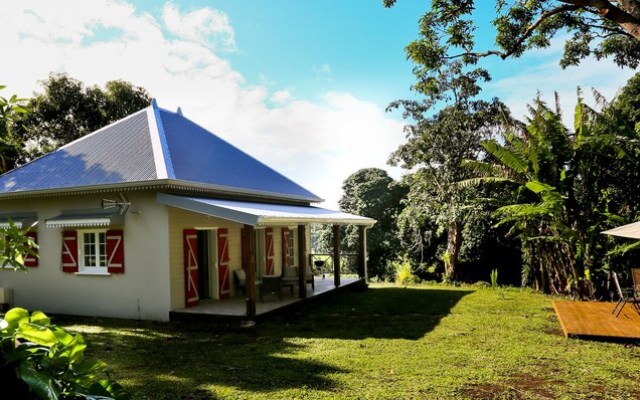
[39, 360]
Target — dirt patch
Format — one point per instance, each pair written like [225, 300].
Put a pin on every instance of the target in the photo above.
[482, 392]
[533, 385]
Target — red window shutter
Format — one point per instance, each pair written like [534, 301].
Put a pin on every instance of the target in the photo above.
[268, 239]
[115, 251]
[191, 295]
[31, 258]
[69, 251]
[285, 247]
[224, 286]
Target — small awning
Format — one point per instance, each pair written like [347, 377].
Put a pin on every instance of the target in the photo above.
[23, 220]
[85, 219]
[262, 214]
[631, 231]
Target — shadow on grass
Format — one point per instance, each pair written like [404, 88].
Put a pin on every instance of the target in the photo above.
[202, 361]
[383, 313]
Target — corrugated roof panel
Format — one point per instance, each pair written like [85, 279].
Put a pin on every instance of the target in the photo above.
[261, 214]
[197, 155]
[118, 153]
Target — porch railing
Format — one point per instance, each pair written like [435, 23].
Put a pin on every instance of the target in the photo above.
[323, 264]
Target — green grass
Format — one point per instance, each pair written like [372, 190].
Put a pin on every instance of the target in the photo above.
[431, 342]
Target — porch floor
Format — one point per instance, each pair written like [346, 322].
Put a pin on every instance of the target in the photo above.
[593, 319]
[235, 307]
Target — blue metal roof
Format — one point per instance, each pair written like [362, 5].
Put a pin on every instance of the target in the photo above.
[197, 155]
[152, 147]
[118, 153]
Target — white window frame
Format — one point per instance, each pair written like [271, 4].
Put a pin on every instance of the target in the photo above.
[82, 268]
[293, 248]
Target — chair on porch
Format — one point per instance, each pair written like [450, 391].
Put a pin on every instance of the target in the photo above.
[625, 295]
[240, 280]
[290, 277]
[271, 284]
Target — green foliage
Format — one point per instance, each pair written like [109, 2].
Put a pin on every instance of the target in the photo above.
[43, 361]
[372, 193]
[67, 110]
[494, 278]
[14, 245]
[598, 28]
[571, 186]
[403, 272]
[11, 110]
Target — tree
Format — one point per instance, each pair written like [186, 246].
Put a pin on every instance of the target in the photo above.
[67, 110]
[10, 142]
[372, 193]
[571, 186]
[603, 28]
[435, 150]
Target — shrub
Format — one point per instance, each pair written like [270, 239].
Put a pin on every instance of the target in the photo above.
[39, 360]
[404, 274]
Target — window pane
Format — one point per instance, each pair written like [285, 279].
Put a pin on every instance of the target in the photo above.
[89, 250]
[103, 249]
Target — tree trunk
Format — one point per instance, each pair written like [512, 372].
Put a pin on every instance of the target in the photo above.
[454, 242]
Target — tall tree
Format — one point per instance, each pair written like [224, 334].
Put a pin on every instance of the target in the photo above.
[603, 28]
[372, 193]
[67, 110]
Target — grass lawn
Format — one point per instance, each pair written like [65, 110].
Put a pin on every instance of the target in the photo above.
[432, 342]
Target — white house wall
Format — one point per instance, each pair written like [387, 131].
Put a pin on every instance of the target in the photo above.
[142, 291]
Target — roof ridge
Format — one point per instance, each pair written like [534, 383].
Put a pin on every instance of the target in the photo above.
[160, 148]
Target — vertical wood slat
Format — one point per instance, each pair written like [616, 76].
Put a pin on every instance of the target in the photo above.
[362, 252]
[302, 261]
[336, 255]
[249, 257]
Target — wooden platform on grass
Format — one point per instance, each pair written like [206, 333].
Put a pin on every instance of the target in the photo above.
[593, 319]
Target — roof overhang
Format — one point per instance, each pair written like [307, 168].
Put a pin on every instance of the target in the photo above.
[20, 220]
[262, 214]
[160, 184]
[85, 219]
[631, 231]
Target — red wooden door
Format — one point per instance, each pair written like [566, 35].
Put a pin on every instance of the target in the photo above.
[191, 295]
[224, 286]
[268, 239]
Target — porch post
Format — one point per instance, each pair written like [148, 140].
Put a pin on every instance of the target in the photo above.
[248, 254]
[302, 262]
[336, 255]
[362, 252]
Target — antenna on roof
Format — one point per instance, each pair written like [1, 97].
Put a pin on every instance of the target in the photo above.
[123, 204]
[179, 111]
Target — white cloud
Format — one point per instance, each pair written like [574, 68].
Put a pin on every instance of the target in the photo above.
[324, 69]
[317, 144]
[199, 26]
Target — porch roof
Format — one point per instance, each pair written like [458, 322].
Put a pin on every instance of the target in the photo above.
[262, 214]
[631, 231]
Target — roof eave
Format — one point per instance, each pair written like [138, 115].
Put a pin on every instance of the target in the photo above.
[160, 184]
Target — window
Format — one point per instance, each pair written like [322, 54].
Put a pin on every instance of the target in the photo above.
[93, 245]
[97, 251]
[292, 246]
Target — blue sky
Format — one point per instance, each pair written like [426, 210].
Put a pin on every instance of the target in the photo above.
[302, 85]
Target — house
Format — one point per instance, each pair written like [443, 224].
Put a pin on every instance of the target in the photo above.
[153, 213]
